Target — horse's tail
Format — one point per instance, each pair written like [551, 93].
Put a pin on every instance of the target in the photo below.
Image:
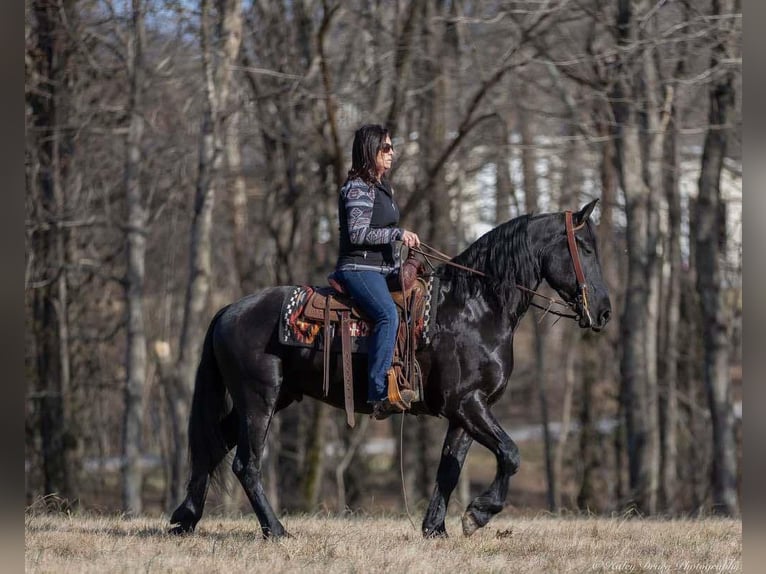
[207, 443]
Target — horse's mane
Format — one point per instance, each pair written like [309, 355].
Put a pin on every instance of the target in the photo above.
[504, 255]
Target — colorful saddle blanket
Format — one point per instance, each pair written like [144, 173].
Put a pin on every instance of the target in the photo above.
[301, 323]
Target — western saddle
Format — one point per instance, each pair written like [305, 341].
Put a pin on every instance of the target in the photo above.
[334, 309]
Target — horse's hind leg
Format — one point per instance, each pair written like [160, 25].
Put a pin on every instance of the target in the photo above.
[482, 426]
[189, 512]
[254, 428]
[456, 445]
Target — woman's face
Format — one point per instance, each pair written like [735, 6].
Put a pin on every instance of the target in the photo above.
[385, 157]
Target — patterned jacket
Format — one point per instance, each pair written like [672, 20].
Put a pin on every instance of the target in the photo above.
[369, 219]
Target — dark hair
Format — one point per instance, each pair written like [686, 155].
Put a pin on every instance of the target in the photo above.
[367, 142]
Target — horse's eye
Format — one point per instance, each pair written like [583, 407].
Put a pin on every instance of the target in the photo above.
[584, 246]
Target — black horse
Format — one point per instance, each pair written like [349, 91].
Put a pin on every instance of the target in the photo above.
[465, 368]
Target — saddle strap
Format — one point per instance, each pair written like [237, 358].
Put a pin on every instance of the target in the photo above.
[327, 345]
[348, 376]
[412, 339]
[417, 310]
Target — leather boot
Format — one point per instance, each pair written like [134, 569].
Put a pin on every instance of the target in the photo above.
[384, 409]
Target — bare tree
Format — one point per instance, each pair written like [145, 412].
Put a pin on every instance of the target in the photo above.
[505, 194]
[402, 65]
[50, 154]
[710, 238]
[219, 48]
[638, 387]
[134, 279]
[671, 315]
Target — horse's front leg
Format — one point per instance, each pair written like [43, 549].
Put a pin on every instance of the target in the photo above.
[481, 425]
[456, 445]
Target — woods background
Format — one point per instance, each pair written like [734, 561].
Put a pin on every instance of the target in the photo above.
[180, 155]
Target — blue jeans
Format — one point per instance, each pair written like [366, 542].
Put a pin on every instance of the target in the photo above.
[368, 289]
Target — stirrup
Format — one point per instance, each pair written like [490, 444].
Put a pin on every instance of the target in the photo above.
[401, 399]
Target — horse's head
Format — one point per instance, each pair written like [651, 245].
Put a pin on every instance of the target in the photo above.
[588, 295]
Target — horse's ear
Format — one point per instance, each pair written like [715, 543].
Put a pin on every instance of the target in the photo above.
[585, 212]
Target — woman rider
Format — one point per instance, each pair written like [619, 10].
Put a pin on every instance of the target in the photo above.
[369, 219]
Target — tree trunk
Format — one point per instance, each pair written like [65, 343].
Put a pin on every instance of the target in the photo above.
[609, 178]
[656, 122]
[218, 56]
[329, 96]
[586, 496]
[610, 259]
[710, 239]
[239, 207]
[433, 128]
[50, 106]
[528, 157]
[550, 477]
[636, 392]
[357, 437]
[570, 345]
[634, 359]
[669, 372]
[133, 415]
[505, 195]
[312, 477]
[402, 65]
[695, 452]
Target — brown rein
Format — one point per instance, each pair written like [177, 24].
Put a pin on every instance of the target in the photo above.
[580, 276]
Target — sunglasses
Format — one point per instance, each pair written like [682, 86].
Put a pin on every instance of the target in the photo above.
[387, 148]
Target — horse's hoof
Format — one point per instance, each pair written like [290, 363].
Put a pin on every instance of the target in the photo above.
[436, 532]
[181, 529]
[469, 524]
[276, 535]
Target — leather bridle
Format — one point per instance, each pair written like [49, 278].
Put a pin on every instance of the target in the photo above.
[582, 288]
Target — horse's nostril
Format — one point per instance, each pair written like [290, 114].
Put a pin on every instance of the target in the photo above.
[604, 317]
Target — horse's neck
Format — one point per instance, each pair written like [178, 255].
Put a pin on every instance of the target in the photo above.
[517, 270]
[504, 320]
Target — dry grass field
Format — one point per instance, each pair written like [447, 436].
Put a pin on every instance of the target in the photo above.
[56, 543]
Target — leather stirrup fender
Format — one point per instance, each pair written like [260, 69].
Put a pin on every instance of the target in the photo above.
[348, 376]
[327, 345]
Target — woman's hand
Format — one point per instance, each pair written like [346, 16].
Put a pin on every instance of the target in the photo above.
[410, 239]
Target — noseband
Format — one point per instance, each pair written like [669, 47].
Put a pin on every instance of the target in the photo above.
[581, 299]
